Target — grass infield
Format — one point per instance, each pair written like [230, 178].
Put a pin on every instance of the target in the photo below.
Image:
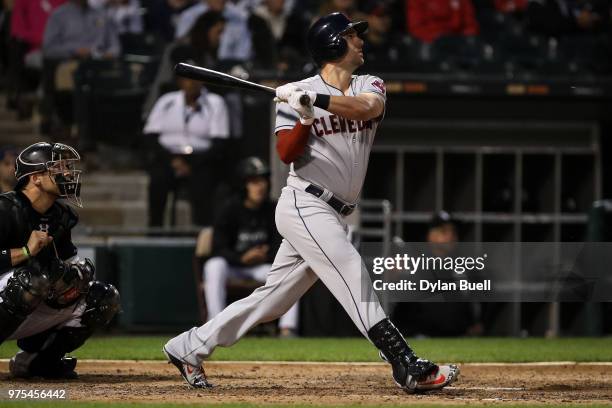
[459, 350]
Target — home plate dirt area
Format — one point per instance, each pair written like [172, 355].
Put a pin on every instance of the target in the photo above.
[329, 383]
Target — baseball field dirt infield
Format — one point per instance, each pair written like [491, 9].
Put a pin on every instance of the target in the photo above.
[329, 384]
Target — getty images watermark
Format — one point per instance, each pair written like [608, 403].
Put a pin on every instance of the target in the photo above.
[488, 272]
[404, 263]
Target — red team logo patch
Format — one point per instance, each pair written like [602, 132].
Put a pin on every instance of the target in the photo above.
[380, 86]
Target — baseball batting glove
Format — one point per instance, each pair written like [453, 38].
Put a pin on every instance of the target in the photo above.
[283, 92]
[306, 111]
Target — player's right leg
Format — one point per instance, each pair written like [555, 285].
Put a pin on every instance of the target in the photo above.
[288, 279]
[21, 291]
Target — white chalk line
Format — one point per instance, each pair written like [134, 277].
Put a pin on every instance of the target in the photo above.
[352, 363]
[487, 388]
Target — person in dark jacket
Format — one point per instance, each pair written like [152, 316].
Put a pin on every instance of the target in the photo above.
[245, 241]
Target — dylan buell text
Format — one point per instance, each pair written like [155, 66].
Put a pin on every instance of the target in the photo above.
[424, 285]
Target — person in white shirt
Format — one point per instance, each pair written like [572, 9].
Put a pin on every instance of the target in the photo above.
[187, 124]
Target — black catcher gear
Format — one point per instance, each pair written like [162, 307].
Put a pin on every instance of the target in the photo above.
[44, 353]
[59, 160]
[70, 281]
[324, 38]
[102, 304]
[24, 291]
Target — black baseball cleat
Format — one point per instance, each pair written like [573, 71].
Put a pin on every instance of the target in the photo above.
[25, 365]
[422, 375]
[195, 376]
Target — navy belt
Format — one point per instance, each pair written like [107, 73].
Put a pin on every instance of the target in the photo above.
[336, 204]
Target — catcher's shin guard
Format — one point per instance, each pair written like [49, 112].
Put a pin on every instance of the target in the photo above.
[44, 353]
[24, 291]
[408, 369]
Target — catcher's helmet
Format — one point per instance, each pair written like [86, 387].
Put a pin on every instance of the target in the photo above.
[59, 160]
[324, 39]
[252, 167]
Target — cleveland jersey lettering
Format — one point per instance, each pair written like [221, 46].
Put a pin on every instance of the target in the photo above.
[338, 149]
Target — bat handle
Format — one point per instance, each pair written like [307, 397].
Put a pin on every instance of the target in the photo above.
[304, 100]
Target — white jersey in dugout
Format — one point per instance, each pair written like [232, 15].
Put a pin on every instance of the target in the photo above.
[338, 149]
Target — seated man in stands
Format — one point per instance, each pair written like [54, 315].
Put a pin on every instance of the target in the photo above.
[184, 130]
[28, 21]
[75, 31]
[245, 241]
[383, 50]
[427, 20]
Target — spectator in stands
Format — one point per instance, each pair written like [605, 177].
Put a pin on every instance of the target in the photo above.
[185, 127]
[28, 22]
[440, 318]
[510, 6]
[6, 7]
[428, 20]
[8, 155]
[126, 14]
[563, 17]
[288, 30]
[162, 16]
[236, 44]
[382, 48]
[245, 241]
[203, 41]
[347, 7]
[74, 32]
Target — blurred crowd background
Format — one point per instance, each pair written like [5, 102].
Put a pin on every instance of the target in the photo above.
[497, 129]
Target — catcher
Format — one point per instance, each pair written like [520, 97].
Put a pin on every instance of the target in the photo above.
[49, 300]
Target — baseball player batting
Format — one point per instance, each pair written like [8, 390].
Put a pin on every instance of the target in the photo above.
[328, 143]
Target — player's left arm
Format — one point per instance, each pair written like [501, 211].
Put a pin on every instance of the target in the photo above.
[368, 104]
[365, 106]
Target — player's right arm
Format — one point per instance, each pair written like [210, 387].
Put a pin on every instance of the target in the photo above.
[14, 256]
[290, 144]
[292, 131]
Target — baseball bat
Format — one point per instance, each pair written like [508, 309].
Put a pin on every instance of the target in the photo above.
[213, 77]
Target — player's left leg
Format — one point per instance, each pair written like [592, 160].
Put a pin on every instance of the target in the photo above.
[288, 279]
[288, 323]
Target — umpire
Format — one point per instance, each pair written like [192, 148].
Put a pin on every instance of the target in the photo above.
[49, 300]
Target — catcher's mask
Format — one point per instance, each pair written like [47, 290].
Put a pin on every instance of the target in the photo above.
[59, 160]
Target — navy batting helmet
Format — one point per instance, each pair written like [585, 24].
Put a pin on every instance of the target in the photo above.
[324, 38]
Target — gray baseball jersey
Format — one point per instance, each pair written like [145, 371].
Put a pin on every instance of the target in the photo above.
[336, 157]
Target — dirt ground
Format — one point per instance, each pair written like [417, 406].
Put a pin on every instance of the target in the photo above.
[325, 384]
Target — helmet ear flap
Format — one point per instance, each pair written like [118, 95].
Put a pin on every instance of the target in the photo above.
[341, 47]
[334, 50]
